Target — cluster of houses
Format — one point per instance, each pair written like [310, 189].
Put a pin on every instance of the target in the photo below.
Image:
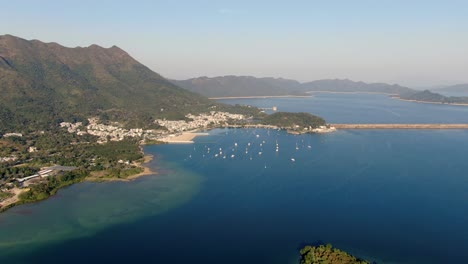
[105, 132]
[117, 133]
[212, 118]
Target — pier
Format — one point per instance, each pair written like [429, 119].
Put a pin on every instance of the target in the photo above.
[400, 126]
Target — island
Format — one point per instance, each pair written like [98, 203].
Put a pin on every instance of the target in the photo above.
[327, 254]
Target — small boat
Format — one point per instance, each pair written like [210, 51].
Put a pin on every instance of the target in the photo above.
[258, 136]
[216, 155]
[260, 153]
[232, 156]
[293, 159]
[235, 144]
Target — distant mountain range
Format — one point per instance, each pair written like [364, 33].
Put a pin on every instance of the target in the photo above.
[227, 86]
[458, 88]
[43, 82]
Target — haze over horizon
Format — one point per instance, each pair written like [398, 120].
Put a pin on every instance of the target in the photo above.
[415, 44]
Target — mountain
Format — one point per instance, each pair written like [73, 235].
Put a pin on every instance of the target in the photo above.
[225, 86]
[42, 82]
[346, 85]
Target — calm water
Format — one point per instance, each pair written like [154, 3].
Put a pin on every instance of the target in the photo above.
[391, 196]
[363, 108]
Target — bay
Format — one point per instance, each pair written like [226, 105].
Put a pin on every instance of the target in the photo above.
[392, 196]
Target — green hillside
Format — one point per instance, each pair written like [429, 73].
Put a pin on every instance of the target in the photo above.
[46, 82]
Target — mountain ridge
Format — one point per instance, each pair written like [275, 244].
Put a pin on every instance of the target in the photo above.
[231, 85]
[49, 82]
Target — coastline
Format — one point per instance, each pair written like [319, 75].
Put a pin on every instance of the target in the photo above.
[259, 97]
[426, 102]
[333, 92]
[14, 200]
[146, 171]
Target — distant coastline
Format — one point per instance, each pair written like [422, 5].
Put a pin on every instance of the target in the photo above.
[259, 97]
[336, 92]
[426, 102]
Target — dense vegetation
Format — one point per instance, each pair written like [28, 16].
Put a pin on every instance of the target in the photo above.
[58, 147]
[43, 84]
[428, 96]
[327, 255]
[295, 121]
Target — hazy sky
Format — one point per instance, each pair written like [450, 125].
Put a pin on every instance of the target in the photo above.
[411, 42]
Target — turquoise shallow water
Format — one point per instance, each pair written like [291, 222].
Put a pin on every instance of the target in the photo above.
[394, 196]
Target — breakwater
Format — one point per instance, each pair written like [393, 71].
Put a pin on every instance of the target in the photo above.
[400, 126]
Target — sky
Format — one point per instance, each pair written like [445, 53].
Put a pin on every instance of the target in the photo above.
[410, 42]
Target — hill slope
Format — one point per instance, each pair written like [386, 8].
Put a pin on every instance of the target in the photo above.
[225, 86]
[46, 81]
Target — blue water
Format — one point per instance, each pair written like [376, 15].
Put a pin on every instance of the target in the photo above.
[396, 196]
[363, 108]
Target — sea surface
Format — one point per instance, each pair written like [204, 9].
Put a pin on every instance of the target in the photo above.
[390, 196]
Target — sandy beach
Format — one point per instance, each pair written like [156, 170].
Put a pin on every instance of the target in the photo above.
[146, 170]
[184, 138]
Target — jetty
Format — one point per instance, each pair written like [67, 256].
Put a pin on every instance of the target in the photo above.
[400, 126]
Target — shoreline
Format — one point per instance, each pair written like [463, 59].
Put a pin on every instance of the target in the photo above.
[426, 102]
[259, 97]
[333, 92]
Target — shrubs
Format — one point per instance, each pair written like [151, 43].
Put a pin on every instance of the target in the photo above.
[327, 254]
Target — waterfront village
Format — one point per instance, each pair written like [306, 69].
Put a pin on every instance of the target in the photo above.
[168, 131]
